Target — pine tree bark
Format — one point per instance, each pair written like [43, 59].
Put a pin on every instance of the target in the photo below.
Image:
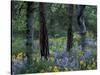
[44, 48]
[29, 32]
[70, 32]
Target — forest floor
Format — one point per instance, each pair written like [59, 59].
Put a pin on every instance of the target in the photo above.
[60, 59]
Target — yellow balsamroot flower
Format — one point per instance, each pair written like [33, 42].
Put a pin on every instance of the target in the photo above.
[52, 59]
[81, 62]
[20, 56]
[76, 36]
[56, 69]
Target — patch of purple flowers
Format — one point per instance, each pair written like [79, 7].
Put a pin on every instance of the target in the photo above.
[18, 64]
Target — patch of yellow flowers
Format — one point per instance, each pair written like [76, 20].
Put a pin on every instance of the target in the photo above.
[82, 63]
[52, 59]
[88, 66]
[20, 56]
[56, 69]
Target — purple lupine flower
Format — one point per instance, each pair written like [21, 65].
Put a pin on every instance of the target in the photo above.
[59, 63]
[65, 61]
[89, 42]
[61, 60]
[25, 60]
[56, 58]
[87, 54]
[82, 58]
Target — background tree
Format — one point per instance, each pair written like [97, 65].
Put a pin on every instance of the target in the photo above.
[44, 48]
[29, 36]
[81, 23]
[69, 31]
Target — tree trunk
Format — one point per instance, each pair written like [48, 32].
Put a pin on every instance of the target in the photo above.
[44, 49]
[81, 23]
[70, 32]
[29, 32]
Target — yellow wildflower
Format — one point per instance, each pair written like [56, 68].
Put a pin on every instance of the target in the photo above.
[81, 62]
[20, 56]
[52, 59]
[56, 69]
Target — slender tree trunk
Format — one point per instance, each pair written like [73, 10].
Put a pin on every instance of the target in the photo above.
[44, 48]
[29, 32]
[70, 32]
[81, 23]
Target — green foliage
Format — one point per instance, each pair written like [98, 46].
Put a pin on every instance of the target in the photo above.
[57, 24]
[38, 66]
[18, 45]
[56, 19]
[58, 44]
[91, 18]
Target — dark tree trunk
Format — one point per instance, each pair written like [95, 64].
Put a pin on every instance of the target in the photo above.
[70, 32]
[29, 32]
[44, 48]
[81, 23]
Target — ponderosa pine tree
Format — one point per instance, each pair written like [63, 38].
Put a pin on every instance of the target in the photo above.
[69, 31]
[44, 48]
